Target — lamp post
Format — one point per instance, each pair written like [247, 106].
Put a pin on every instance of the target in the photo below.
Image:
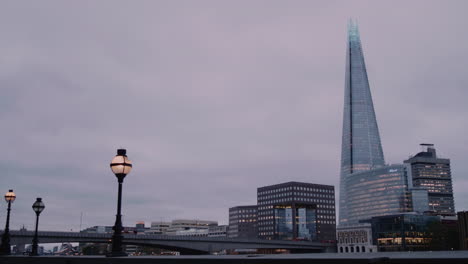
[5, 248]
[120, 166]
[38, 206]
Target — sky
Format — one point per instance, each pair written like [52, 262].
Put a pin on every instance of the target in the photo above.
[212, 99]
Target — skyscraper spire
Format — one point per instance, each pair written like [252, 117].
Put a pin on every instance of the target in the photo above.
[353, 29]
[361, 148]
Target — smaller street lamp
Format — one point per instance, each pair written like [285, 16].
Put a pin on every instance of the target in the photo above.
[5, 248]
[38, 207]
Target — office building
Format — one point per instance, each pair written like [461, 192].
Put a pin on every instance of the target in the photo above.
[98, 229]
[218, 231]
[463, 229]
[158, 228]
[403, 232]
[378, 192]
[296, 211]
[243, 221]
[368, 187]
[433, 174]
[361, 148]
[355, 239]
[140, 227]
[190, 227]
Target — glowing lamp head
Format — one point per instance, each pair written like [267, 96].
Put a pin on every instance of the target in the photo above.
[38, 206]
[10, 196]
[120, 164]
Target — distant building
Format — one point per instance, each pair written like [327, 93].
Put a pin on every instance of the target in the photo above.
[433, 173]
[98, 229]
[403, 232]
[355, 239]
[192, 232]
[158, 228]
[243, 221]
[140, 227]
[296, 211]
[463, 229]
[190, 227]
[218, 231]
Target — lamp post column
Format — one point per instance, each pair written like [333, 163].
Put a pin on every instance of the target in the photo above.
[6, 248]
[38, 207]
[117, 249]
[35, 240]
[120, 166]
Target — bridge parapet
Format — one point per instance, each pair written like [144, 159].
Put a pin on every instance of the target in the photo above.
[202, 244]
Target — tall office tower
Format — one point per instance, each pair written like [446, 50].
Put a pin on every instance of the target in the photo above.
[296, 211]
[434, 174]
[361, 149]
[243, 221]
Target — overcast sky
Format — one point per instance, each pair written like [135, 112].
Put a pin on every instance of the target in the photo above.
[212, 99]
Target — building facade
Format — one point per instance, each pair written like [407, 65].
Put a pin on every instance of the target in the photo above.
[463, 229]
[243, 221]
[355, 239]
[296, 211]
[218, 231]
[361, 148]
[402, 232]
[378, 192]
[158, 228]
[190, 227]
[433, 174]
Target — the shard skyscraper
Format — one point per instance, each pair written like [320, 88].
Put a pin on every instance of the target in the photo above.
[361, 149]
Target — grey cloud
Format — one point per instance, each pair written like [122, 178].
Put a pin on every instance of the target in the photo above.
[212, 99]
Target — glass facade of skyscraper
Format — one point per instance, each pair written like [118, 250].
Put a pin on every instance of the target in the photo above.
[378, 192]
[361, 148]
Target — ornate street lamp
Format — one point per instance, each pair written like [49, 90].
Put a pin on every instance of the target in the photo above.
[5, 248]
[38, 206]
[120, 166]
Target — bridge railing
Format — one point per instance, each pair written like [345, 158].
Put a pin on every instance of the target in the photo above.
[84, 235]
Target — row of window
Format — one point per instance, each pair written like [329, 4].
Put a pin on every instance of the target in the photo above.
[243, 211]
[247, 220]
[243, 216]
[332, 212]
[269, 224]
[351, 249]
[311, 200]
[352, 233]
[286, 194]
[295, 188]
[262, 208]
